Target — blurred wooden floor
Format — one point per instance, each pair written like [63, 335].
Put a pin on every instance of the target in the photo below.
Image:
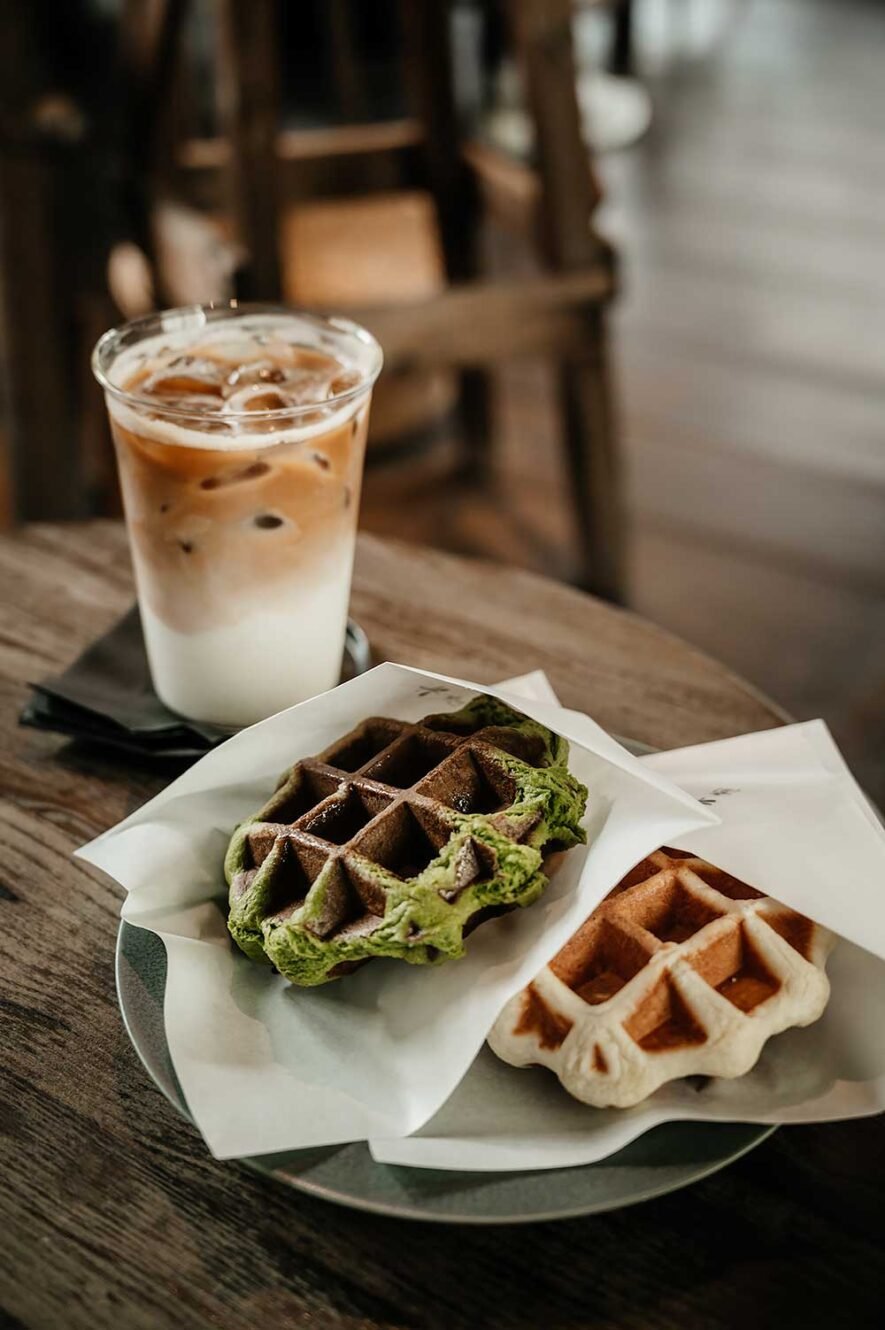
[751, 356]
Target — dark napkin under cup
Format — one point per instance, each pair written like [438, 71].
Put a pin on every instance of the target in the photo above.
[107, 697]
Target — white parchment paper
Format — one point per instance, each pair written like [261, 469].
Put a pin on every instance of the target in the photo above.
[266, 1067]
[794, 823]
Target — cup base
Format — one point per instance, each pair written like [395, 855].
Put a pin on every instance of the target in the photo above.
[356, 660]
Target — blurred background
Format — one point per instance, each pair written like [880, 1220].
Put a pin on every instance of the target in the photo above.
[626, 259]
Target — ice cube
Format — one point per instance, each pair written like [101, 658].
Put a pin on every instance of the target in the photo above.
[257, 397]
[185, 376]
[345, 382]
[307, 387]
[233, 350]
[276, 348]
[200, 404]
[253, 372]
[235, 476]
[187, 534]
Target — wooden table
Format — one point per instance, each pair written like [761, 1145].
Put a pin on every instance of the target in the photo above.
[112, 1212]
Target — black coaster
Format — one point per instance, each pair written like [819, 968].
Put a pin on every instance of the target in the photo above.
[107, 697]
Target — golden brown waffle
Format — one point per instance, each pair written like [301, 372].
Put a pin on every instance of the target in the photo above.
[682, 970]
[399, 838]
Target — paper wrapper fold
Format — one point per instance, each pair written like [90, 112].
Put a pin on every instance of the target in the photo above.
[793, 823]
[393, 1054]
[266, 1067]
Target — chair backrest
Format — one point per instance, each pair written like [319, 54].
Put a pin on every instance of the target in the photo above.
[430, 152]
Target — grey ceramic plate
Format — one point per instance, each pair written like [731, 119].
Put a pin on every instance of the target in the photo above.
[662, 1160]
[668, 1157]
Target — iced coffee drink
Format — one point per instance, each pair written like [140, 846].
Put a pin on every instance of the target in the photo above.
[240, 436]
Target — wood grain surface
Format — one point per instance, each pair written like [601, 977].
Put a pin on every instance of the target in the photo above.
[112, 1213]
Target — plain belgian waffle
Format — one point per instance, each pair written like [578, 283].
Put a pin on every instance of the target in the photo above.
[399, 838]
[681, 970]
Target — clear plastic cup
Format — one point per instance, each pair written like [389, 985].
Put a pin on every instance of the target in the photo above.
[240, 435]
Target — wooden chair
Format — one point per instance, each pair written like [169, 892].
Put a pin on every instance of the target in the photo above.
[470, 326]
[559, 315]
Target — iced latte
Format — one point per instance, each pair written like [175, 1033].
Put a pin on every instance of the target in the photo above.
[240, 436]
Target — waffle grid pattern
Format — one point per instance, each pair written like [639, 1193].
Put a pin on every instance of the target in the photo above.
[348, 831]
[682, 970]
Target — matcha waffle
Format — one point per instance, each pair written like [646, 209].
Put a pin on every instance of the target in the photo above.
[399, 839]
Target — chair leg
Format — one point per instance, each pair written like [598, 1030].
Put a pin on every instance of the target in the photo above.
[621, 55]
[592, 461]
[477, 425]
[429, 80]
[250, 112]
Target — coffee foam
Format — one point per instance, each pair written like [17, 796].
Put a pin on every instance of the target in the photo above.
[221, 434]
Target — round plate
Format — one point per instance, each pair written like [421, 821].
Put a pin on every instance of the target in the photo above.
[668, 1157]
